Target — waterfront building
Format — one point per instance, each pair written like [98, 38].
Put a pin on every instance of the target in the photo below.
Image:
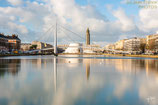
[74, 48]
[132, 44]
[41, 45]
[36, 44]
[110, 47]
[3, 43]
[64, 46]
[91, 48]
[25, 46]
[14, 42]
[152, 42]
[9, 43]
[119, 45]
[156, 44]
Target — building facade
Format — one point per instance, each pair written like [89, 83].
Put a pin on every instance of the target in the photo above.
[3, 43]
[9, 43]
[25, 46]
[91, 48]
[14, 42]
[74, 48]
[41, 45]
[110, 47]
[119, 45]
[132, 44]
[151, 41]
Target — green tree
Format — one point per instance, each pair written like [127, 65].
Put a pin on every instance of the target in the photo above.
[142, 47]
[33, 47]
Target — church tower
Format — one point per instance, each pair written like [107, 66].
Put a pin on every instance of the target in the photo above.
[88, 37]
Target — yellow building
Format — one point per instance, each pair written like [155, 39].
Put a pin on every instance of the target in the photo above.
[119, 45]
[110, 47]
[41, 45]
[151, 41]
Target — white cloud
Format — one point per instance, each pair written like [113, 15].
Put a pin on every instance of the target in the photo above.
[122, 86]
[22, 29]
[38, 16]
[148, 19]
[126, 23]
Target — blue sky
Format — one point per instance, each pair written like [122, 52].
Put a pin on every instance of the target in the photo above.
[101, 6]
[108, 20]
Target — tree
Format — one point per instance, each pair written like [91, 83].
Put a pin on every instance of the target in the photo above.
[142, 47]
[33, 47]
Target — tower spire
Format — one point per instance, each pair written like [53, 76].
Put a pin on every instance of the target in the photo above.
[88, 37]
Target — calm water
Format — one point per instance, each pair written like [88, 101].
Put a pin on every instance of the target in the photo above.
[45, 80]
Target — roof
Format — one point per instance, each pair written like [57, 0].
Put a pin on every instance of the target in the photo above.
[2, 35]
[13, 37]
[9, 37]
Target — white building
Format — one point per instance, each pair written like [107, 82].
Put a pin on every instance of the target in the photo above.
[110, 47]
[132, 44]
[74, 48]
[25, 46]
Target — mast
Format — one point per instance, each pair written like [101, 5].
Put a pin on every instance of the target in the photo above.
[55, 40]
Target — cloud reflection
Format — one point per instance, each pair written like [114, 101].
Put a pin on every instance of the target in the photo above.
[56, 81]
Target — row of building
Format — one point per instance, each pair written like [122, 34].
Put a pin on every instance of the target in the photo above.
[9, 43]
[150, 43]
[34, 45]
[13, 43]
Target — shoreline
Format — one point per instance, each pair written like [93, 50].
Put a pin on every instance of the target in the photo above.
[112, 55]
[128, 55]
[118, 55]
[10, 55]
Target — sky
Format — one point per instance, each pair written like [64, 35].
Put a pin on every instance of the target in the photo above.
[108, 20]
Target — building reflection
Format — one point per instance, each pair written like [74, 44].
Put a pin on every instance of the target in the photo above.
[72, 62]
[87, 70]
[150, 66]
[41, 63]
[11, 66]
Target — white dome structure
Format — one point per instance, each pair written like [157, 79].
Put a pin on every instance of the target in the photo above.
[74, 48]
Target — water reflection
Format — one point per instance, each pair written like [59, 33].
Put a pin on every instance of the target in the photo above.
[11, 66]
[55, 73]
[150, 66]
[88, 70]
[73, 81]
